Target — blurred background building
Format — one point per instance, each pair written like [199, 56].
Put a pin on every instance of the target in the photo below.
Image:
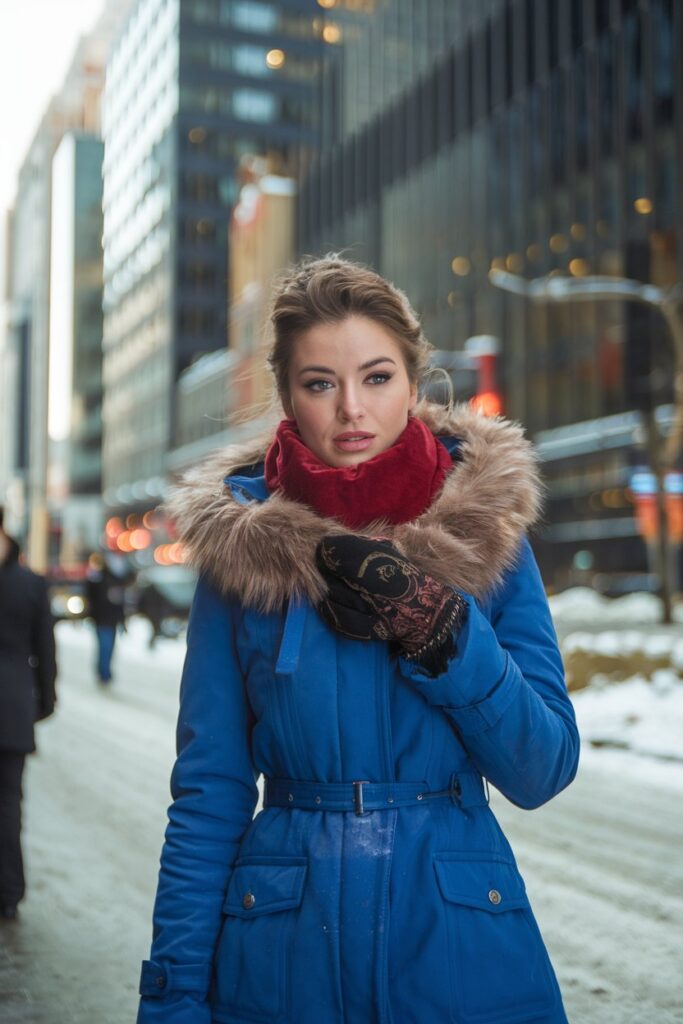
[26, 359]
[192, 87]
[541, 138]
[435, 141]
[74, 472]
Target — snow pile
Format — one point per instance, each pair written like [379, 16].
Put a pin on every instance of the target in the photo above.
[627, 690]
[642, 717]
[583, 605]
[619, 654]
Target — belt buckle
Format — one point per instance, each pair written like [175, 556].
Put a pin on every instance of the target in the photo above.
[358, 796]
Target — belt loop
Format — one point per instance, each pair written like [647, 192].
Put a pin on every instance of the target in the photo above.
[455, 787]
[358, 796]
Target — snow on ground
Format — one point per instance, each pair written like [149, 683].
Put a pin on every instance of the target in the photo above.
[166, 652]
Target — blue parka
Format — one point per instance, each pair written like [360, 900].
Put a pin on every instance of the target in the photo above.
[414, 911]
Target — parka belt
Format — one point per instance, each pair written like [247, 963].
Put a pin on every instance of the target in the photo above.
[465, 789]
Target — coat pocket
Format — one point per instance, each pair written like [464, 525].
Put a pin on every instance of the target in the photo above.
[499, 968]
[252, 964]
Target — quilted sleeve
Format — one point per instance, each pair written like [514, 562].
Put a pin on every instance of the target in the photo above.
[505, 692]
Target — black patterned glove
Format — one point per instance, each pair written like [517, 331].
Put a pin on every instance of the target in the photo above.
[375, 593]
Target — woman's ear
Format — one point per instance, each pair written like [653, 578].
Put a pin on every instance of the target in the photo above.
[287, 406]
[412, 402]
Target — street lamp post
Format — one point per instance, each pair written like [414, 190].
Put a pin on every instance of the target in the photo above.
[669, 302]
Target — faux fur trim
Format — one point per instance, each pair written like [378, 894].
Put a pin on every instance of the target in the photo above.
[264, 552]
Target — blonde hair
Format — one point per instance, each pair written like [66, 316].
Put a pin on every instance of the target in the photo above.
[329, 289]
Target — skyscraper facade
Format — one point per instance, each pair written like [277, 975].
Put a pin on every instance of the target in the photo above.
[75, 348]
[192, 86]
[539, 138]
[24, 464]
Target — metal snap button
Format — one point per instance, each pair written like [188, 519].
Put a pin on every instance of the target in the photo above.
[290, 797]
[419, 796]
[248, 901]
[160, 981]
[317, 799]
[390, 799]
[494, 896]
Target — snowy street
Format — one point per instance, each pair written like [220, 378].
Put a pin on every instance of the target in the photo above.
[603, 861]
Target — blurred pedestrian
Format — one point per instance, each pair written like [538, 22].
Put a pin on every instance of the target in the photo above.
[152, 606]
[107, 577]
[371, 633]
[27, 694]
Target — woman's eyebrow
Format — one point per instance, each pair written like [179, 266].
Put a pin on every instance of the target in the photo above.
[363, 366]
[317, 369]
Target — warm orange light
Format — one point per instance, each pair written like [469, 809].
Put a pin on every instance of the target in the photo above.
[123, 542]
[579, 267]
[498, 263]
[461, 266]
[275, 58]
[488, 402]
[559, 243]
[578, 232]
[534, 252]
[132, 521]
[113, 527]
[197, 135]
[514, 263]
[149, 519]
[327, 4]
[161, 554]
[332, 33]
[176, 553]
[643, 205]
[140, 539]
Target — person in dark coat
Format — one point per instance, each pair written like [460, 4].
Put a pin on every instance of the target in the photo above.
[106, 582]
[27, 694]
[370, 632]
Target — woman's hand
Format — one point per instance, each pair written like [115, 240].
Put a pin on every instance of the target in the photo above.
[377, 593]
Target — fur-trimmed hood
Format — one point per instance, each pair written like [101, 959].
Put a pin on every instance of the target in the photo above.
[263, 551]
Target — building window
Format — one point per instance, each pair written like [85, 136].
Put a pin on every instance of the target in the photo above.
[252, 105]
[252, 17]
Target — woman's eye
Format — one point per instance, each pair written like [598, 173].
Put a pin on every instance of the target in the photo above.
[318, 385]
[379, 378]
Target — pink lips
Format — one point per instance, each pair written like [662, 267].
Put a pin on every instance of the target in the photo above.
[352, 441]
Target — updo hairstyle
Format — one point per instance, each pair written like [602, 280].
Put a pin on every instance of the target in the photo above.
[329, 289]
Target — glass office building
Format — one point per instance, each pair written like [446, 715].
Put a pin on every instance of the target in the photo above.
[75, 348]
[75, 395]
[192, 86]
[540, 138]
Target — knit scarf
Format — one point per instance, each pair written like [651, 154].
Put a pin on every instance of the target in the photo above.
[397, 485]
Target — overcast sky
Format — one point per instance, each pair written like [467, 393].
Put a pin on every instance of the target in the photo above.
[37, 41]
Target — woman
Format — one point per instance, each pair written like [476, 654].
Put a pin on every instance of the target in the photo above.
[370, 632]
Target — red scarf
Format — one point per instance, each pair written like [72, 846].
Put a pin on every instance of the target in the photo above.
[397, 485]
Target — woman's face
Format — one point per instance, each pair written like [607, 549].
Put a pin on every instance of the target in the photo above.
[349, 390]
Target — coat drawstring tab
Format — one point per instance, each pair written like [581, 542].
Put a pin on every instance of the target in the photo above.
[290, 646]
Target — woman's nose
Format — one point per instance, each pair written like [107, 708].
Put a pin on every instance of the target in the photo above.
[350, 405]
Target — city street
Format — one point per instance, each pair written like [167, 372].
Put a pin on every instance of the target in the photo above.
[602, 862]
